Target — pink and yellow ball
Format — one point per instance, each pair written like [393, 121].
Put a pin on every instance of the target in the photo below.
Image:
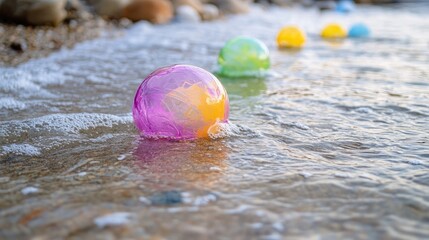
[180, 102]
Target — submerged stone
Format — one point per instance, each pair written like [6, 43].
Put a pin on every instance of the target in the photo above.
[166, 198]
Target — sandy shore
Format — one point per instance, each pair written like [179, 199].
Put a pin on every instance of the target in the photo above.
[19, 43]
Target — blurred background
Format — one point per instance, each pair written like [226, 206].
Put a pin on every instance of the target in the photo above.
[34, 28]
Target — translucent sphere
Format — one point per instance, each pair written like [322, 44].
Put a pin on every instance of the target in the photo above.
[291, 37]
[333, 30]
[180, 102]
[345, 6]
[243, 57]
[359, 30]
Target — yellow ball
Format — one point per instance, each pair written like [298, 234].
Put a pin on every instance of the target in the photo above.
[291, 37]
[334, 30]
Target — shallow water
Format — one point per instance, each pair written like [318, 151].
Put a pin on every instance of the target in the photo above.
[333, 144]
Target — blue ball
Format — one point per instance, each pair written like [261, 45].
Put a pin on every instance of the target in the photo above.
[359, 30]
[345, 6]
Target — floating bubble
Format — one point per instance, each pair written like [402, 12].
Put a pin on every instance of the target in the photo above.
[291, 37]
[180, 102]
[359, 30]
[333, 30]
[244, 57]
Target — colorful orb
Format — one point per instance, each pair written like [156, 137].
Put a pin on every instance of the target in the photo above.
[345, 6]
[180, 102]
[359, 30]
[334, 30]
[291, 37]
[243, 57]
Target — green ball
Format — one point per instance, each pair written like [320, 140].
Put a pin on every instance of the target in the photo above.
[244, 57]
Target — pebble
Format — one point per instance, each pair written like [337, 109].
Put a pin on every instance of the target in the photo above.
[110, 8]
[326, 5]
[188, 14]
[125, 22]
[195, 4]
[210, 12]
[154, 11]
[36, 12]
[166, 198]
[232, 6]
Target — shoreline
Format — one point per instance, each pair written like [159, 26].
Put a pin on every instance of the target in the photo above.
[20, 43]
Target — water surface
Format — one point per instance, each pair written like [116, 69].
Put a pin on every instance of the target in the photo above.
[333, 144]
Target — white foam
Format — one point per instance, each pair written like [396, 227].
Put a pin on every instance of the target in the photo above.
[19, 83]
[342, 175]
[223, 130]
[413, 162]
[215, 169]
[113, 219]
[144, 200]
[11, 104]
[29, 190]
[278, 226]
[65, 123]
[300, 126]
[21, 149]
[204, 200]
[32, 136]
[364, 110]
[306, 174]
[238, 210]
[198, 200]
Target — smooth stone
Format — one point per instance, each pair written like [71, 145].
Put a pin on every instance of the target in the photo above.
[37, 12]
[210, 12]
[166, 198]
[186, 13]
[154, 11]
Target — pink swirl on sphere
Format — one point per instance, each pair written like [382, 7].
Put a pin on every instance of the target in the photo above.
[179, 102]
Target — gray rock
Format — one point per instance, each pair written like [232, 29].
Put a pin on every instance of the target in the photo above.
[185, 13]
[34, 12]
[109, 8]
[232, 6]
[210, 12]
[166, 198]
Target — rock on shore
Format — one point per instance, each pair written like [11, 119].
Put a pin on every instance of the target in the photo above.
[40, 12]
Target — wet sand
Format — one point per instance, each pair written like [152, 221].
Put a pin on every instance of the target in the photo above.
[20, 43]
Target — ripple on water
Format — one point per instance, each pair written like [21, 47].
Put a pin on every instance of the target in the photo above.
[333, 140]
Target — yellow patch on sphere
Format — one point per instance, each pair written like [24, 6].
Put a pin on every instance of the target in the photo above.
[198, 108]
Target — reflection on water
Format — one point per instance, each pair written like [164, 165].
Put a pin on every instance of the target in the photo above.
[244, 87]
[199, 162]
[332, 144]
[334, 43]
[290, 51]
